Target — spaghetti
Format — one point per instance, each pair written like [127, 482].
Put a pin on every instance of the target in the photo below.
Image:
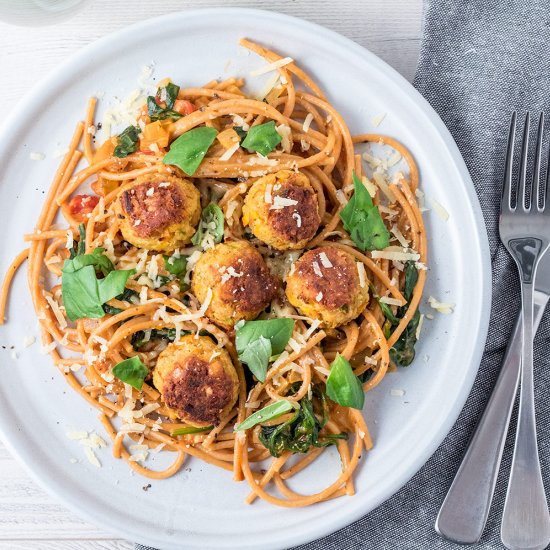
[161, 307]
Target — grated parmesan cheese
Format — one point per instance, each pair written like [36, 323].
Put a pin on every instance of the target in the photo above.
[377, 120]
[317, 269]
[269, 85]
[391, 301]
[304, 145]
[380, 181]
[267, 195]
[319, 296]
[37, 156]
[400, 237]
[286, 136]
[230, 152]
[28, 341]
[402, 256]
[70, 240]
[361, 273]
[397, 393]
[56, 311]
[439, 210]
[272, 66]
[307, 123]
[419, 327]
[281, 202]
[441, 307]
[325, 262]
[92, 458]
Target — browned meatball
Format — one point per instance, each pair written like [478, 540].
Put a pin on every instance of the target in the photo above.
[158, 212]
[281, 210]
[325, 285]
[241, 283]
[197, 380]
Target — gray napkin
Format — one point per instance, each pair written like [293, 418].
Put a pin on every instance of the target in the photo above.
[480, 60]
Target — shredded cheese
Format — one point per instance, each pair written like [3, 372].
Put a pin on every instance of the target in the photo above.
[401, 256]
[441, 307]
[230, 152]
[361, 272]
[377, 120]
[272, 66]
[307, 123]
[439, 210]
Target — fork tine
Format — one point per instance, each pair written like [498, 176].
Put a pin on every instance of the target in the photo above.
[506, 201]
[522, 193]
[537, 184]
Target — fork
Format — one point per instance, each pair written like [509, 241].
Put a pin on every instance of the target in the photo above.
[525, 232]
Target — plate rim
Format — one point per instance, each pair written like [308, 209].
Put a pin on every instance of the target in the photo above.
[56, 488]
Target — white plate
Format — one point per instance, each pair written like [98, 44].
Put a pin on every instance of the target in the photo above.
[204, 508]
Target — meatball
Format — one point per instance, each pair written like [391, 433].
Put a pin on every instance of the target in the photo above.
[281, 210]
[242, 285]
[325, 285]
[197, 380]
[158, 212]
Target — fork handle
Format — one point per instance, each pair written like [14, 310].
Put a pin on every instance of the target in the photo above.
[464, 511]
[526, 519]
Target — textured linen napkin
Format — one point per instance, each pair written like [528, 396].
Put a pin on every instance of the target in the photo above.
[480, 60]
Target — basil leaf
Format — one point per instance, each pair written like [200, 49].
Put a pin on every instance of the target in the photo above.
[262, 138]
[256, 356]
[273, 410]
[131, 371]
[240, 132]
[80, 294]
[362, 220]
[156, 111]
[278, 331]
[175, 266]
[343, 386]
[189, 149]
[83, 293]
[101, 263]
[402, 352]
[127, 142]
[190, 430]
[411, 278]
[79, 247]
[212, 222]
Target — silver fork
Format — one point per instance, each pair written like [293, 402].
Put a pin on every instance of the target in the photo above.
[525, 231]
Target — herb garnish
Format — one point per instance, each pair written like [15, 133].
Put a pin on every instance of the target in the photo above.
[301, 432]
[212, 222]
[166, 95]
[190, 430]
[258, 341]
[273, 410]
[131, 371]
[262, 138]
[127, 142]
[343, 386]
[83, 293]
[190, 148]
[362, 220]
[402, 353]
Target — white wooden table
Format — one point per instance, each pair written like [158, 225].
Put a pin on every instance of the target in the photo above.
[29, 518]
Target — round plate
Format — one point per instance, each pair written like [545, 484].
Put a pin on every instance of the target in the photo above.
[202, 507]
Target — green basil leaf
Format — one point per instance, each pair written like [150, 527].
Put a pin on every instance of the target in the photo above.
[343, 386]
[212, 222]
[80, 293]
[362, 220]
[278, 331]
[262, 138]
[175, 266]
[79, 247]
[270, 412]
[256, 356]
[402, 353]
[190, 430]
[83, 293]
[189, 149]
[131, 371]
[156, 111]
[411, 278]
[127, 142]
[113, 284]
[240, 132]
